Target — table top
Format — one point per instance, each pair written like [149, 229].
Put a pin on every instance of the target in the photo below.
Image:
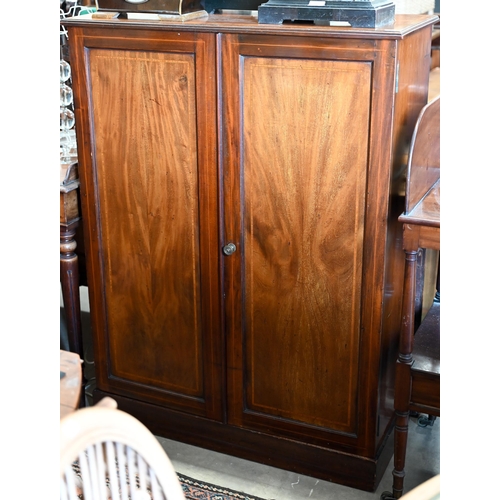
[236, 23]
[427, 211]
[71, 382]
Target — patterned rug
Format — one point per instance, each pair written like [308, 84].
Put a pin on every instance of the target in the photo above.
[193, 489]
[199, 490]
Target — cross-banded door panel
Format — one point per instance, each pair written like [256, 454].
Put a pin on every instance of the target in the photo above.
[150, 171]
[295, 340]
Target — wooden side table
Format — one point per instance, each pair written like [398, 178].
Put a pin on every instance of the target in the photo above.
[69, 220]
[418, 365]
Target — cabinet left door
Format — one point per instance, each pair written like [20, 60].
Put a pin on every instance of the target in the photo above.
[145, 103]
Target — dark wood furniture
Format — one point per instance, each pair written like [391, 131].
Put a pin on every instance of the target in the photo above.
[69, 220]
[239, 189]
[69, 269]
[418, 364]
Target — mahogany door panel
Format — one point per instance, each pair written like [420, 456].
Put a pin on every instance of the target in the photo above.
[303, 236]
[295, 204]
[157, 223]
[150, 215]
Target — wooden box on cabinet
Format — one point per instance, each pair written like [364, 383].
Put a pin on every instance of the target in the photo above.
[288, 142]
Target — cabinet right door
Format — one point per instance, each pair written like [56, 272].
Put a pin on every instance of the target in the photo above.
[301, 290]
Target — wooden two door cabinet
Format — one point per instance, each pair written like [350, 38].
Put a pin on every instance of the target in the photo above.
[240, 188]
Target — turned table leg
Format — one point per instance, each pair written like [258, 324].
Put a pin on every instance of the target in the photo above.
[70, 280]
[71, 295]
[70, 287]
[403, 374]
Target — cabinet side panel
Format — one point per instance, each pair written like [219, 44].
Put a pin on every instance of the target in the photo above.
[414, 58]
[146, 177]
[305, 154]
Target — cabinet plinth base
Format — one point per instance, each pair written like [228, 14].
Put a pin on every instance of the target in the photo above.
[327, 464]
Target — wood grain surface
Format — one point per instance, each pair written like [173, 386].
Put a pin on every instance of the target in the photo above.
[425, 159]
[305, 129]
[147, 180]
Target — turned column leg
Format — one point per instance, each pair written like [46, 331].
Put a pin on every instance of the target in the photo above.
[403, 374]
[71, 294]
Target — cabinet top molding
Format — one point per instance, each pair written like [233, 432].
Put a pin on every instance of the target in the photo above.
[404, 24]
